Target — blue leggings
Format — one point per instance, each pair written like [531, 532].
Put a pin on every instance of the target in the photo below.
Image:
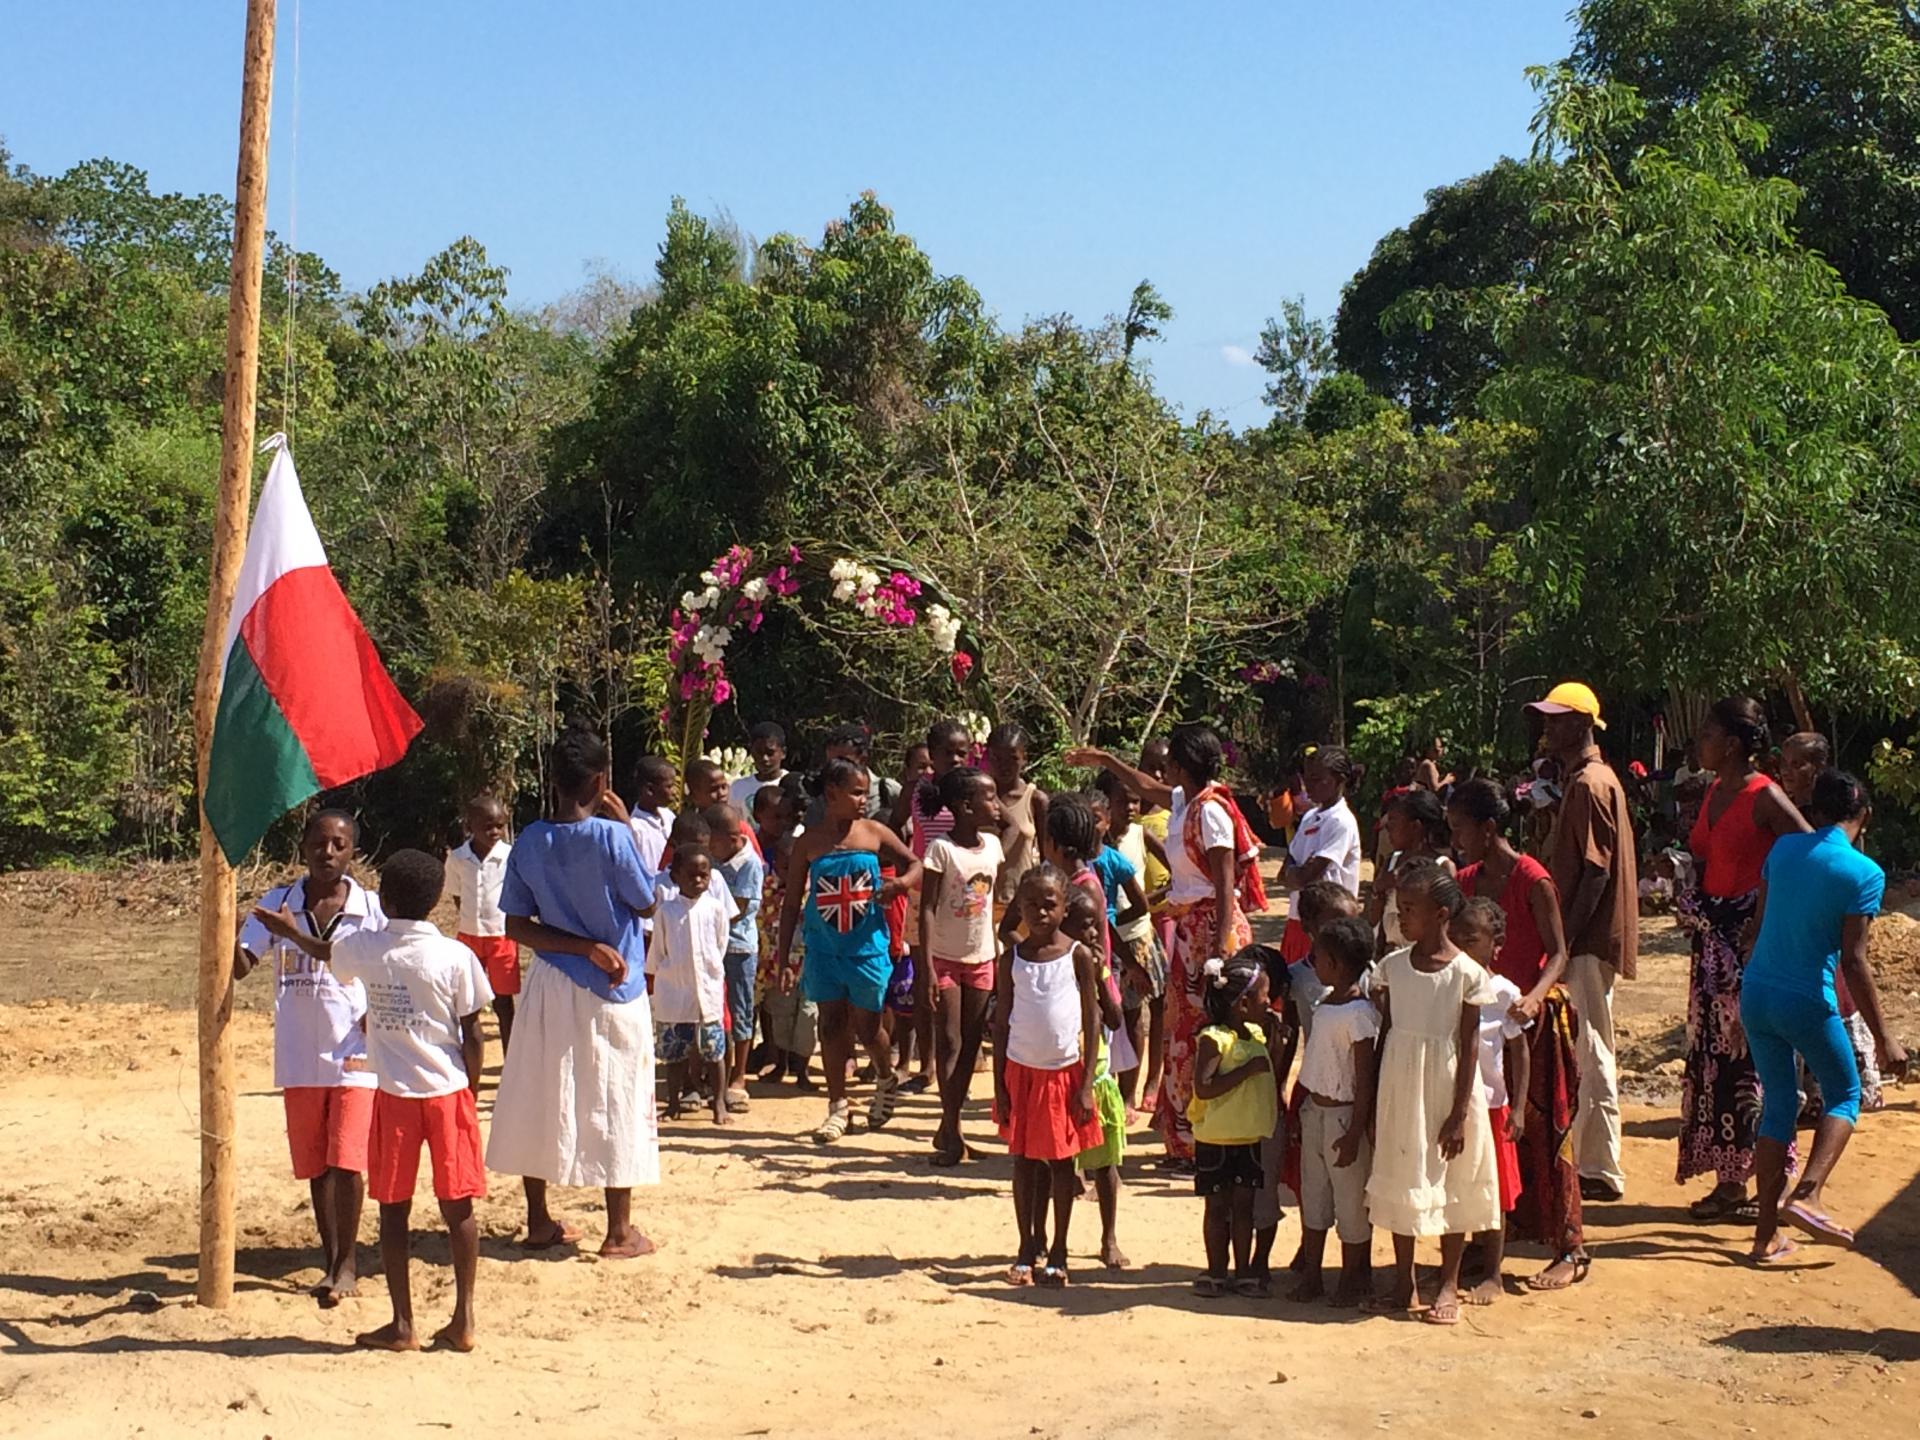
[1780, 1024]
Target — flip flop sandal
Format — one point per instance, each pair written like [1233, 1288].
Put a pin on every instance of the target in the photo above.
[834, 1127]
[563, 1236]
[880, 1110]
[1250, 1288]
[948, 1159]
[738, 1100]
[1774, 1256]
[1210, 1287]
[1816, 1225]
[1020, 1273]
[1441, 1314]
[1052, 1277]
[1715, 1206]
[1582, 1264]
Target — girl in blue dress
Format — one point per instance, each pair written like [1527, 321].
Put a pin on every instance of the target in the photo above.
[833, 879]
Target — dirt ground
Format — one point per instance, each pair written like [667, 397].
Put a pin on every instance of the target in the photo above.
[801, 1291]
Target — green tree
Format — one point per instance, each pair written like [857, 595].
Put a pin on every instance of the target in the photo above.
[1727, 437]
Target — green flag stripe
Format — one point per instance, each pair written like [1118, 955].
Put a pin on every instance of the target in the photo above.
[258, 769]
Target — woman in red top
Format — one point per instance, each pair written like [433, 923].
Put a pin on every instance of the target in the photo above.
[1534, 957]
[1739, 819]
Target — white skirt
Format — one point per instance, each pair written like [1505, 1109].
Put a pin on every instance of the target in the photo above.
[575, 1105]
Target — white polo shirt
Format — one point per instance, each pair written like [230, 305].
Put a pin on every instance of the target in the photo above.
[420, 985]
[316, 1015]
[476, 889]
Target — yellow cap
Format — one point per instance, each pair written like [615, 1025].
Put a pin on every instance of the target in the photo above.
[1570, 697]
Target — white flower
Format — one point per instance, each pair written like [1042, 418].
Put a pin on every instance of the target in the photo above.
[843, 590]
[977, 726]
[938, 614]
[1215, 970]
[732, 760]
[755, 590]
[869, 582]
[711, 597]
[722, 637]
[843, 569]
[690, 602]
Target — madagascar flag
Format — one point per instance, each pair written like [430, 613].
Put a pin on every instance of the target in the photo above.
[305, 704]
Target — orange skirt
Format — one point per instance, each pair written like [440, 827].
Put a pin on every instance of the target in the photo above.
[1506, 1159]
[1042, 1126]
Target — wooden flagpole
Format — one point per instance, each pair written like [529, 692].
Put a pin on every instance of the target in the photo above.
[215, 1285]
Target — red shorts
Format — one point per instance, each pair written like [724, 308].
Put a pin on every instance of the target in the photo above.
[327, 1128]
[957, 975]
[1506, 1159]
[500, 958]
[450, 1127]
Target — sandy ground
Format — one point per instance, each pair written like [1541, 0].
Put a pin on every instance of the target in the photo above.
[801, 1291]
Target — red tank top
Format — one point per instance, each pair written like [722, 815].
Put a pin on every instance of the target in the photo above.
[1523, 954]
[1733, 848]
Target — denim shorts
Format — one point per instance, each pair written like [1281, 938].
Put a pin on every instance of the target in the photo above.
[742, 967]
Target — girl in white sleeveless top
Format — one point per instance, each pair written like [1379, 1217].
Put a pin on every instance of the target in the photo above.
[1046, 1030]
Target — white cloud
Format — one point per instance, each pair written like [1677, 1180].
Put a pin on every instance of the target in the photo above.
[1236, 355]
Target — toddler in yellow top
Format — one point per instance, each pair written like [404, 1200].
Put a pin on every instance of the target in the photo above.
[1234, 1109]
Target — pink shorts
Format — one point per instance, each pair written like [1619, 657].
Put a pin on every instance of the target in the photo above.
[957, 975]
[500, 958]
[327, 1128]
[448, 1125]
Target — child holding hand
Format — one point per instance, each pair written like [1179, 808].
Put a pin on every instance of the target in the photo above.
[1046, 1029]
[1235, 1108]
[424, 998]
[1479, 929]
[1336, 1114]
[1433, 1163]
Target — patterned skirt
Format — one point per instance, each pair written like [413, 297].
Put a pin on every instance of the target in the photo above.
[1720, 1093]
[1187, 1016]
[1548, 1210]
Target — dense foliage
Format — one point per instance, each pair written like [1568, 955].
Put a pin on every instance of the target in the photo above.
[1636, 406]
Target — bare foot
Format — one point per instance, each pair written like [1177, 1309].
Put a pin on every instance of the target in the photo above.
[1397, 1301]
[1111, 1256]
[551, 1236]
[454, 1335]
[391, 1336]
[1485, 1293]
[628, 1246]
[1311, 1287]
[722, 1115]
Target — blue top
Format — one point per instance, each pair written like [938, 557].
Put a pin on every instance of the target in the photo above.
[844, 917]
[746, 878]
[1114, 870]
[1814, 882]
[586, 879]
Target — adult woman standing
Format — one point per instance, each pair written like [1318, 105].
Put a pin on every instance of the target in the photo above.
[1817, 901]
[1534, 957]
[1741, 816]
[1213, 860]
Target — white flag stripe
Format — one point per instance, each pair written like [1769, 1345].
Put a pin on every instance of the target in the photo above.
[282, 540]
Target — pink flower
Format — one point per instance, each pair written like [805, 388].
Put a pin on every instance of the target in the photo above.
[793, 555]
[905, 584]
[962, 665]
[722, 692]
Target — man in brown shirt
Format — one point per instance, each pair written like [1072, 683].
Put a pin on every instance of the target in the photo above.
[1596, 871]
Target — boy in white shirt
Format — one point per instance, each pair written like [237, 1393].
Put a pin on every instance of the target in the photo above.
[318, 1049]
[424, 998]
[478, 869]
[767, 743]
[687, 975]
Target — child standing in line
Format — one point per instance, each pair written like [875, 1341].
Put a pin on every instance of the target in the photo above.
[961, 871]
[1023, 810]
[1433, 1164]
[651, 819]
[787, 1018]
[1157, 879]
[739, 867]
[767, 743]
[1046, 1025]
[1479, 929]
[1319, 904]
[479, 868]
[1141, 964]
[911, 1000]
[687, 977]
[319, 1050]
[1235, 1107]
[1086, 922]
[1336, 1078]
[424, 998]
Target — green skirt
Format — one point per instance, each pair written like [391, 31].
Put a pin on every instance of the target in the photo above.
[1111, 1109]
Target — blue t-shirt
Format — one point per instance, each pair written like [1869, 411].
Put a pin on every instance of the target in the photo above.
[746, 878]
[1114, 870]
[584, 878]
[1814, 882]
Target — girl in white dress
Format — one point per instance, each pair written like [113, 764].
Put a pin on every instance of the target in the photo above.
[1433, 1160]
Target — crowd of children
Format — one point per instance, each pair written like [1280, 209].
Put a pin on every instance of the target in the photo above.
[1102, 939]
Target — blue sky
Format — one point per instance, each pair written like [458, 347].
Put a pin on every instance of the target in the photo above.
[1053, 153]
